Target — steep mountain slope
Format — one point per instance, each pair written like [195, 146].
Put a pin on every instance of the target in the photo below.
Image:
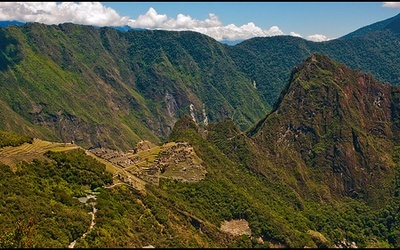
[49, 83]
[194, 69]
[100, 86]
[390, 23]
[268, 60]
[104, 87]
[332, 127]
[363, 53]
[321, 170]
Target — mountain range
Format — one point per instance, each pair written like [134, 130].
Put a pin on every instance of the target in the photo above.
[146, 79]
[298, 140]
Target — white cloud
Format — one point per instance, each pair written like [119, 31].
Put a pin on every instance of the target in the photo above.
[95, 13]
[295, 34]
[149, 20]
[89, 13]
[394, 5]
[211, 26]
[317, 38]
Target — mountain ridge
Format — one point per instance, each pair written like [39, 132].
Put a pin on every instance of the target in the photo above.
[127, 76]
[389, 23]
[331, 117]
[302, 177]
[146, 79]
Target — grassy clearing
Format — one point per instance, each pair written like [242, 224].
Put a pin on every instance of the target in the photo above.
[149, 155]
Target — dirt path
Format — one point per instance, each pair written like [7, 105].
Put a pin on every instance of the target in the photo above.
[93, 213]
[92, 223]
[116, 184]
[136, 182]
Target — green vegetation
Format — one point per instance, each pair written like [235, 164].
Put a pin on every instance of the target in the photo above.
[273, 209]
[321, 170]
[117, 88]
[38, 208]
[269, 60]
[13, 139]
[172, 214]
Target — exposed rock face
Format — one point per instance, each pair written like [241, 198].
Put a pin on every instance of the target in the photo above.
[331, 125]
[172, 107]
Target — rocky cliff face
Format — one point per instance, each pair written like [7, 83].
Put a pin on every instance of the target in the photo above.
[332, 128]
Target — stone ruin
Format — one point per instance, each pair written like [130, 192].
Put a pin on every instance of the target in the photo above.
[176, 161]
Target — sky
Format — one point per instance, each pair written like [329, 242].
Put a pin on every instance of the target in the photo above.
[229, 21]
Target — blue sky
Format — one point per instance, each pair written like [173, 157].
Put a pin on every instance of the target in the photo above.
[316, 21]
[332, 19]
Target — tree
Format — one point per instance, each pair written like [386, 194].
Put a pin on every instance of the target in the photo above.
[21, 237]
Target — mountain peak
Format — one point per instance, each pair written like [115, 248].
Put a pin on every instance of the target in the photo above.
[326, 118]
[319, 61]
[316, 65]
[185, 122]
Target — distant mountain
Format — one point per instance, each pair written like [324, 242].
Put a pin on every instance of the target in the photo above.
[8, 23]
[126, 28]
[229, 42]
[392, 23]
[97, 86]
[268, 60]
[123, 28]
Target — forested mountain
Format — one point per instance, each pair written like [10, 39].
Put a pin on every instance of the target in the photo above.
[102, 86]
[172, 139]
[268, 60]
[390, 23]
[334, 124]
[320, 170]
